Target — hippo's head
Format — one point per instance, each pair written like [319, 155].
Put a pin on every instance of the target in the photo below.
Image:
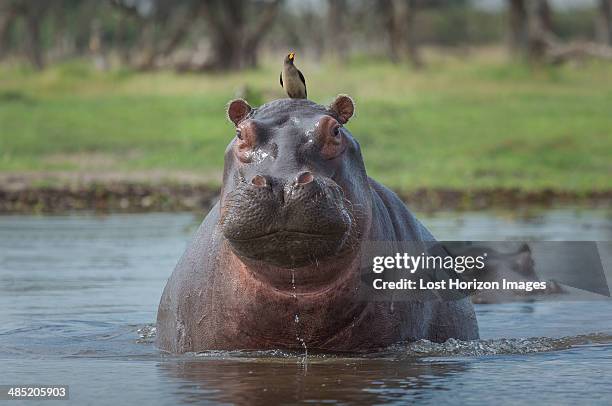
[295, 188]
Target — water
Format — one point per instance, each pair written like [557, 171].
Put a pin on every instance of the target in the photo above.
[75, 291]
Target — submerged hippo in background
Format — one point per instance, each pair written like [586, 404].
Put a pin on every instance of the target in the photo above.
[275, 264]
[514, 265]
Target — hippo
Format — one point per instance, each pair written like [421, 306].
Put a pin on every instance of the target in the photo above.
[276, 262]
[514, 265]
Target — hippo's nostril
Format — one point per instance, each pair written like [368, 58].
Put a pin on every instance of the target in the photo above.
[259, 181]
[304, 178]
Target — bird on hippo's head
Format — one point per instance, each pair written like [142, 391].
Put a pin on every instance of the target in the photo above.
[292, 79]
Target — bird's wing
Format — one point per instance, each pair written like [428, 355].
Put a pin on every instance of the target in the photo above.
[303, 81]
[281, 79]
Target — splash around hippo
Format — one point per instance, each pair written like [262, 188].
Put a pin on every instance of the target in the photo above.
[275, 264]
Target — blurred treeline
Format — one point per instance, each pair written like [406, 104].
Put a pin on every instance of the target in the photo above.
[201, 35]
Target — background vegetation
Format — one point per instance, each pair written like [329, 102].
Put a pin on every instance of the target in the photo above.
[449, 95]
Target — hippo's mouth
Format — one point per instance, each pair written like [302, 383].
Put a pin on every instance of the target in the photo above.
[290, 234]
[289, 248]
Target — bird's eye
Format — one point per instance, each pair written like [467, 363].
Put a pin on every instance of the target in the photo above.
[239, 134]
[336, 131]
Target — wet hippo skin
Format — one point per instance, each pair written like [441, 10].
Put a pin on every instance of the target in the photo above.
[275, 264]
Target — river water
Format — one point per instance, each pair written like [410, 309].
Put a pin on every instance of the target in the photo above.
[78, 294]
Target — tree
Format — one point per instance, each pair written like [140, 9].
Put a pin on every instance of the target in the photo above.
[160, 30]
[543, 15]
[32, 14]
[236, 28]
[400, 29]
[413, 50]
[530, 27]
[535, 18]
[337, 38]
[541, 36]
[8, 13]
[518, 25]
[605, 22]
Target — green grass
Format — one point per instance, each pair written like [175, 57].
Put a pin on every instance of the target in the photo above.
[473, 124]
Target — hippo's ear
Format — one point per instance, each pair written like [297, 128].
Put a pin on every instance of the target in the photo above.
[524, 261]
[343, 107]
[237, 110]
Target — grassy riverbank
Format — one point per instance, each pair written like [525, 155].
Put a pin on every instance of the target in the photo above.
[478, 124]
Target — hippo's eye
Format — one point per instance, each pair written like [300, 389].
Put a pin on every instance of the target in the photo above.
[330, 137]
[245, 141]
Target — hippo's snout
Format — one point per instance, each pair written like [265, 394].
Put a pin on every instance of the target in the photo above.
[287, 223]
[301, 187]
